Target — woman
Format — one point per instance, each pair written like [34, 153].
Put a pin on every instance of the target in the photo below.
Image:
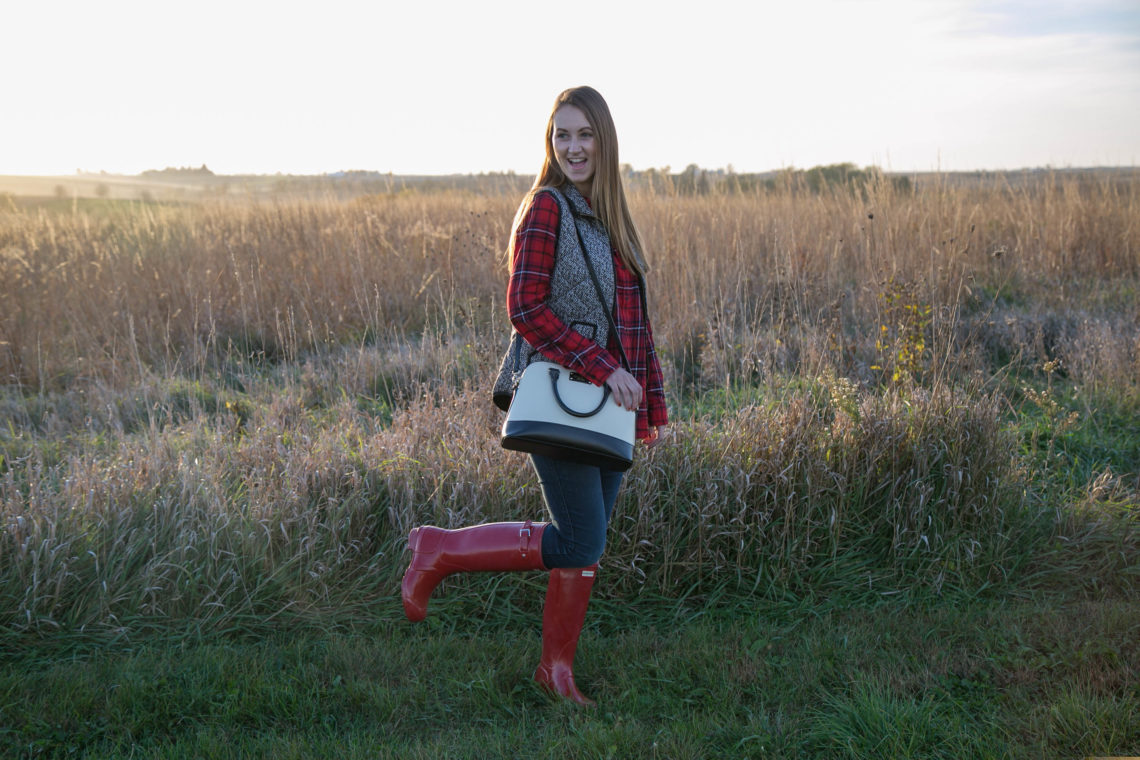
[554, 308]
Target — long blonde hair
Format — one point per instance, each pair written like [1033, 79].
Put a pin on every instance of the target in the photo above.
[607, 193]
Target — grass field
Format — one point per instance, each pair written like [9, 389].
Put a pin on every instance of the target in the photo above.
[895, 514]
[977, 678]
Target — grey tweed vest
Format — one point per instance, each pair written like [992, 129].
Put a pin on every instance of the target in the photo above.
[573, 297]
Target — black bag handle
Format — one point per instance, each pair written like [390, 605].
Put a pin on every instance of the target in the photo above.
[554, 373]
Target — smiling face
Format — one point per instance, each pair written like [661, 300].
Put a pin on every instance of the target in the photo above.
[572, 139]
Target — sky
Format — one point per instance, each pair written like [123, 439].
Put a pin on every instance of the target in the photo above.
[423, 87]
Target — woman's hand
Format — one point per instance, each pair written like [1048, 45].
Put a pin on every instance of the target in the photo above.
[653, 438]
[625, 389]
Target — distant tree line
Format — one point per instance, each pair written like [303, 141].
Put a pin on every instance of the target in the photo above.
[179, 172]
[691, 181]
[697, 181]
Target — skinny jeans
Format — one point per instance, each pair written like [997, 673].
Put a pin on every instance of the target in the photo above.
[580, 499]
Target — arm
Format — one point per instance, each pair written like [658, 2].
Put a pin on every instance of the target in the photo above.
[657, 413]
[655, 386]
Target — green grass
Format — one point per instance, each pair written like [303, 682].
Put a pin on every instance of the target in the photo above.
[1082, 445]
[981, 677]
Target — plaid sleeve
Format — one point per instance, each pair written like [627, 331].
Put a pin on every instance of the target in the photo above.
[655, 385]
[637, 338]
[536, 245]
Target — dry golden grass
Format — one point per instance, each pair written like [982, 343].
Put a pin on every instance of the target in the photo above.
[182, 288]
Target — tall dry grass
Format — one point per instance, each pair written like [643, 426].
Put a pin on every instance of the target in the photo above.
[231, 413]
[184, 288]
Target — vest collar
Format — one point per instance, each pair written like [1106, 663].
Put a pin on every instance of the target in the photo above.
[577, 202]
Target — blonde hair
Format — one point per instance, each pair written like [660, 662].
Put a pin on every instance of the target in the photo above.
[607, 193]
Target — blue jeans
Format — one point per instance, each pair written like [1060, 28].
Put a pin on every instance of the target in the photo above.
[580, 499]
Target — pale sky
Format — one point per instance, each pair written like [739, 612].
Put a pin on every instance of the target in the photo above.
[247, 86]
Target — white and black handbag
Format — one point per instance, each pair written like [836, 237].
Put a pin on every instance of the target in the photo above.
[559, 413]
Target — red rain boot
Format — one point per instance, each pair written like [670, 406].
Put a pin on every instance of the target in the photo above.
[567, 596]
[437, 553]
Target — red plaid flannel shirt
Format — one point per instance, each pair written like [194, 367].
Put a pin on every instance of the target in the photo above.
[527, 292]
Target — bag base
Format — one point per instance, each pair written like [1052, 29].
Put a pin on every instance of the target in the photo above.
[568, 443]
